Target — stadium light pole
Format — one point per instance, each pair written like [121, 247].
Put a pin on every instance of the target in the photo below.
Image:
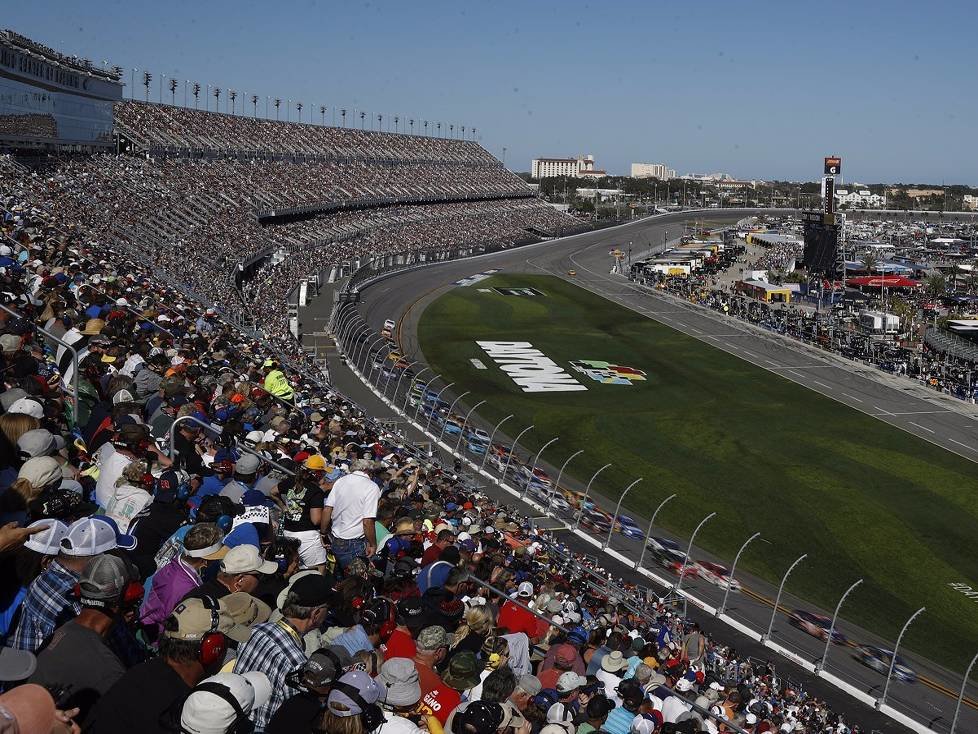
[896, 649]
[689, 549]
[777, 599]
[828, 640]
[414, 381]
[533, 468]
[614, 519]
[964, 684]
[434, 406]
[733, 568]
[648, 533]
[512, 449]
[450, 409]
[560, 473]
[587, 491]
[465, 421]
[491, 436]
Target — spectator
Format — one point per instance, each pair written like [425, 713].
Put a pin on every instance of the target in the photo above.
[314, 681]
[242, 569]
[224, 702]
[350, 510]
[437, 697]
[354, 696]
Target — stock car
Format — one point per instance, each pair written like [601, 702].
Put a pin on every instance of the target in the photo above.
[816, 625]
[595, 520]
[719, 575]
[672, 560]
[657, 543]
[629, 528]
[453, 426]
[879, 660]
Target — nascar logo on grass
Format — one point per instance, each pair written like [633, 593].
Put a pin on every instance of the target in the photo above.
[607, 373]
[530, 368]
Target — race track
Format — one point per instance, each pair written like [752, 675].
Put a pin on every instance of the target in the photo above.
[896, 401]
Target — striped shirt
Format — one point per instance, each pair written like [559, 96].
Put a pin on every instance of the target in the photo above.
[276, 650]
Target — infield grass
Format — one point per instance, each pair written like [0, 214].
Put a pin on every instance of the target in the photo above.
[862, 498]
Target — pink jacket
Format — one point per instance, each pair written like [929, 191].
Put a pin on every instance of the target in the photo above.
[170, 584]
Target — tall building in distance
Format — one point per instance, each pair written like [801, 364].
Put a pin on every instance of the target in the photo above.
[652, 170]
[580, 167]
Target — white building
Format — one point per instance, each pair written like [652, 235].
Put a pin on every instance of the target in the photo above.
[580, 167]
[859, 198]
[970, 202]
[653, 170]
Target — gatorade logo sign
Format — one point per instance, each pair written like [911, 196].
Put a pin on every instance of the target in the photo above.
[530, 368]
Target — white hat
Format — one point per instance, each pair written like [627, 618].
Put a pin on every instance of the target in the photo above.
[246, 559]
[89, 536]
[255, 436]
[463, 536]
[47, 542]
[559, 713]
[683, 685]
[751, 718]
[27, 406]
[525, 589]
[121, 302]
[209, 709]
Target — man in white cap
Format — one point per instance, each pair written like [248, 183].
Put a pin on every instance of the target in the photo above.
[49, 600]
[241, 570]
[219, 704]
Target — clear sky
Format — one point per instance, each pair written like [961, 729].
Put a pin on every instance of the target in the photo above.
[755, 89]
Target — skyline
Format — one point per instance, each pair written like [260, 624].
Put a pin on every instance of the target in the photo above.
[762, 93]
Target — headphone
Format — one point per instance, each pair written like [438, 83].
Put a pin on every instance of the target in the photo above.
[371, 714]
[213, 645]
[241, 724]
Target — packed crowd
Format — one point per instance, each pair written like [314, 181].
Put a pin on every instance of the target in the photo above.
[288, 565]
[778, 258]
[31, 125]
[180, 128]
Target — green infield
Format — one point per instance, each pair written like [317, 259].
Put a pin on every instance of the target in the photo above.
[863, 499]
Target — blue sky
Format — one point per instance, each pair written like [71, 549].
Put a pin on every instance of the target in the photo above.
[755, 89]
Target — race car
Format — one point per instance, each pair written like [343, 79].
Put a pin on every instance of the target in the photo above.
[572, 273]
[672, 560]
[816, 625]
[879, 660]
[629, 528]
[657, 543]
[595, 520]
[719, 575]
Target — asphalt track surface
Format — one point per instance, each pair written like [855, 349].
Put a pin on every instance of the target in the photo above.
[897, 401]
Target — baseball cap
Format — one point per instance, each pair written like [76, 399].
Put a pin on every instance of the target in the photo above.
[126, 542]
[208, 710]
[411, 613]
[432, 638]
[530, 683]
[400, 677]
[369, 690]
[570, 681]
[315, 463]
[559, 713]
[525, 589]
[463, 671]
[246, 559]
[192, 619]
[325, 665]
[247, 464]
[103, 578]
[48, 541]
[245, 611]
[39, 442]
[89, 536]
[41, 471]
[599, 706]
[27, 406]
[313, 590]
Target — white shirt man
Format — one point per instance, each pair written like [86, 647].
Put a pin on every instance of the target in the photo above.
[351, 507]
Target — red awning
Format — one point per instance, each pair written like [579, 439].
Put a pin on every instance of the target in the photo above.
[882, 281]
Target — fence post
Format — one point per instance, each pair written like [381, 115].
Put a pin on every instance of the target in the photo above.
[533, 468]
[617, 508]
[587, 491]
[777, 599]
[964, 684]
[491, 436]
[689, 549]
[648, 533]
[560, 473]
[434, 406]
[512, 450]
[733, 568]
[451, 407]
[896, 649]
[465, 422]
[414, 381]
[828, 640]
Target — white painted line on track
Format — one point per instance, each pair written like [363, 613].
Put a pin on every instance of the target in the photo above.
[884, 411]
[775, 364]
[827, 387]
[851, 397]
[970, 448]
[923, 428]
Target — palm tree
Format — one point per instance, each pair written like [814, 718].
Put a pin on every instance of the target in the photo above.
[232, 95]
[343, 115]
[362, 116]
[298, 106]
[322, 112]
[935, 285]
[278, 103]
[254, 104]
[380, 123]
[955, 271]
[396, 118]
[217, 99]
[869, 261]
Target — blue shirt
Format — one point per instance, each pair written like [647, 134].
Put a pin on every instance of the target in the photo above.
[354, 640]
[619, 721]
[49, 602]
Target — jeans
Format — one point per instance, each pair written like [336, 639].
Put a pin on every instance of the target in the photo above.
[346, 550]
